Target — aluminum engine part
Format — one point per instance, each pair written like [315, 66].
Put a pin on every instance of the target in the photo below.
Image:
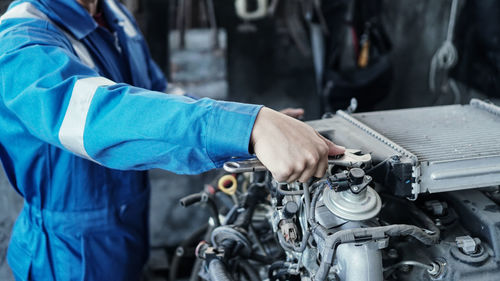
[350, 206]
[360, 262]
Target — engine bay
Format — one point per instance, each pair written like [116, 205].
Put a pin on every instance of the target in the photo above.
[385, 210]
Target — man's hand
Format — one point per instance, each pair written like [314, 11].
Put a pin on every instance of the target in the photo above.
[290, 149]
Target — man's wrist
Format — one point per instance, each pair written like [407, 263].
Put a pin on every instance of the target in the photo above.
[257, 128]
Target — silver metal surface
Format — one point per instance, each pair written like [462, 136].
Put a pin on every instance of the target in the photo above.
[467, 244]
[352, 158]
[456, 146]
[250, 165]
[377, 135]
[360, 262]
[351, 206]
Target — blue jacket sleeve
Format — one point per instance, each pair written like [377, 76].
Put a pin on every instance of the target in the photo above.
[66, 104]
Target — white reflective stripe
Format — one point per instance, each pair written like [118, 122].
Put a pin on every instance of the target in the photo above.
[126, 24]
[73, 125]
[23, 10]
[27, 10]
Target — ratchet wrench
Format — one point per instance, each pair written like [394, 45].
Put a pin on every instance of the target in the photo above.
[351, 158]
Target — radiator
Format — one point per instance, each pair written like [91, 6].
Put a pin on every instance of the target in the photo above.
[447, 147]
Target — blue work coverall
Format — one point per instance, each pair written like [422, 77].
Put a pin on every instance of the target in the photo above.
[82, 116]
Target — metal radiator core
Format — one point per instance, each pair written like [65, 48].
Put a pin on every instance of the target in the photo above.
[455, 146]
[443, 148]
[443, 133]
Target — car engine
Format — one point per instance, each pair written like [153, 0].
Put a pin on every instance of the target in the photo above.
[412, 199]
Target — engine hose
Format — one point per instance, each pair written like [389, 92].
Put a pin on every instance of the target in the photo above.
[250, 271]
[280, 273]
[255, 195]
[260, 258]
[276, 266]
[314, 201]
[315, 226]
[244, 218]
[217, 271]
[416, 212]
[351, 235]
[199, 197]
[307, 199]
[174, 266]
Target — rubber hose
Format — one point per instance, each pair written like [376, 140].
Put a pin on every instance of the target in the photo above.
[418, 213]
[190, 200]
[255, 195]
[276, 265]
[217, 271]
[280, 273]
[197, 197]
[175, 261]
[250, 271]
[260, 258]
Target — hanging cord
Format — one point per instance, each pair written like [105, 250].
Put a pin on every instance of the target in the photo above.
[446, 57]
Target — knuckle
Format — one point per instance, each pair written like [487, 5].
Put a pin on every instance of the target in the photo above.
[311, 157]
[320, 173]
[279, 177]
[292, 179]
[286, 172]
[282, 173]
[300, 166]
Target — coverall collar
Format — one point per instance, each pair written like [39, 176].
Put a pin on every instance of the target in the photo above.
[71, 15]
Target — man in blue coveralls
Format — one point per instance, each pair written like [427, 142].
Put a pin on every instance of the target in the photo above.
[83, 115]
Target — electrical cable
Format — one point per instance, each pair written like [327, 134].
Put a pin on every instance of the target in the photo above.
[378, 165]
[416, 212]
